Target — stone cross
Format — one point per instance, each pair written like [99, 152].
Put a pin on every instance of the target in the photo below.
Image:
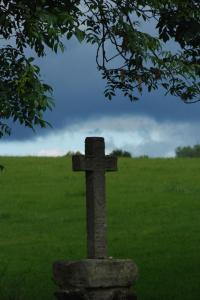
[95, 163]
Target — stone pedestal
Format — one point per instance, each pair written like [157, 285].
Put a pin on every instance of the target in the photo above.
[95, 279]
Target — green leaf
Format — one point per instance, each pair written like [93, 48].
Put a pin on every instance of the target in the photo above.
[80, 35]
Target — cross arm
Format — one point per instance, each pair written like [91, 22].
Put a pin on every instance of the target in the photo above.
[91, 163]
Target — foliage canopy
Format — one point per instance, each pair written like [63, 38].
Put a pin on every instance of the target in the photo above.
[120, 153]
[188, 151]
[129, 57]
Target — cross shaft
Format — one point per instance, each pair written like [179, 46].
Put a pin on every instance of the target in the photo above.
[95, 163]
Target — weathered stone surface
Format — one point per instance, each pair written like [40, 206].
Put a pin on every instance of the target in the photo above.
[71, 295]
[95, 273]
[91, 163]
[107, 294]
[120, 295]
[97, 294]
[95, 163]
[95, 278]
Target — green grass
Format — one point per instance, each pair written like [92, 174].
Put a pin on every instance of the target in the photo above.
[153, 208]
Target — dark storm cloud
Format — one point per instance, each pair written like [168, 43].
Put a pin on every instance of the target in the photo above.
[78, 93]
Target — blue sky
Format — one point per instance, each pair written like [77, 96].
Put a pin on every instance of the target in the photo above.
[154, 126]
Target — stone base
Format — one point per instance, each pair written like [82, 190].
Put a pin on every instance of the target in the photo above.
[95, 279]
[66, 295]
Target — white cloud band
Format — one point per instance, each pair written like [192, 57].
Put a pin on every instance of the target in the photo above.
[139, 135]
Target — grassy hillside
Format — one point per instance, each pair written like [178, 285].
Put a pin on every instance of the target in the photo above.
[153, 208]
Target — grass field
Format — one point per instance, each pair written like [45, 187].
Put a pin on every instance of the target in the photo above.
[153, 208]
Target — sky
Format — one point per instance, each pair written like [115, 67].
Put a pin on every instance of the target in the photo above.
[154, 126]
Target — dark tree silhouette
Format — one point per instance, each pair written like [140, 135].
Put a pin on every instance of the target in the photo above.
[139, 59]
